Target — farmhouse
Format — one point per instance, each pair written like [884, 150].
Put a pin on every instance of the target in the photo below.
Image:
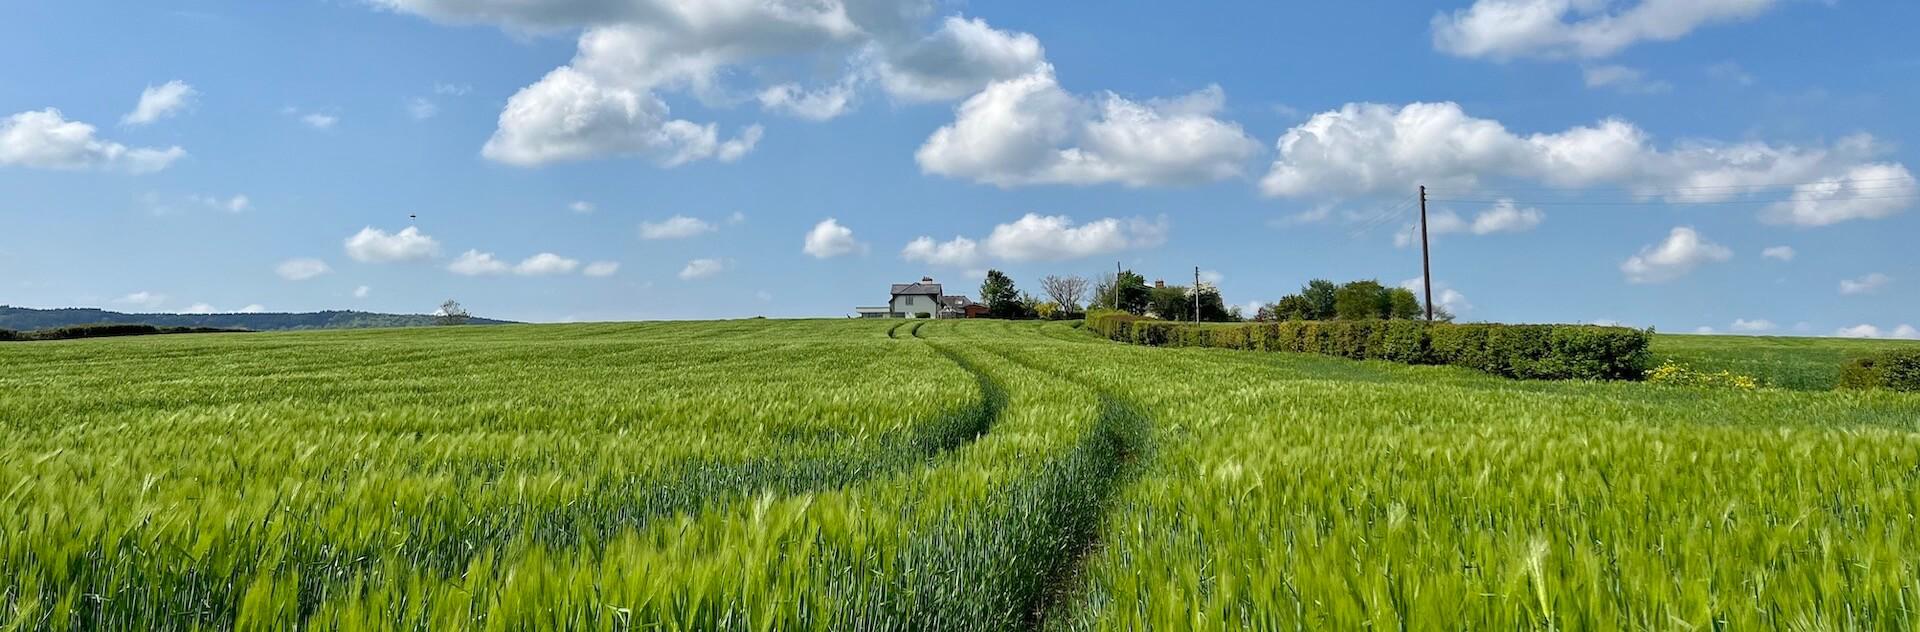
[923, 299]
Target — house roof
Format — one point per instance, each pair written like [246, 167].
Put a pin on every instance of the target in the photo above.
[956, 301]
[926, 286]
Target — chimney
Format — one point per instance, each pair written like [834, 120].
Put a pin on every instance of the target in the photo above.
[1159, 284]
[926, 279]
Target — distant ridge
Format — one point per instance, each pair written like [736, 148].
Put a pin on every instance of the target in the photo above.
[27, 318]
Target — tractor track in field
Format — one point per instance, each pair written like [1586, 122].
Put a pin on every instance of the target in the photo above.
[1121, 438]
[1081, 493]
[600, 514]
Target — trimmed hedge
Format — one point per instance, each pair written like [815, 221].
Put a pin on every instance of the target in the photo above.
[1891, 370]
[1543, 352]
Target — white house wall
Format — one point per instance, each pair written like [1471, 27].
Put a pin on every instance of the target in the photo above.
[910, 304]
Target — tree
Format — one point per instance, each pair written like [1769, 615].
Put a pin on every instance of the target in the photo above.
[1292, 307]
[1403, 304]
[1175, 302]
[451, 313]
[1066, 292]
[1000, 297]
[1130, 293]
[1319, 294]
[1360, 300]
[1169, 302]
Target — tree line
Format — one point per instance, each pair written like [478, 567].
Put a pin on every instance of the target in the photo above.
[1128, 291]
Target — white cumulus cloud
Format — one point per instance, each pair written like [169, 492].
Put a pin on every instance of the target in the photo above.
[44, 139]
[476, 263]
[1783, 253]
[1870, 191]
[142, 298]
[372, 245]
[958, 59]
[1623, 79]
[1028, 130]
[814, 105]
[1370, 149]
[958, 252]
[362, 291]
[301, 269]
[161, 101]
[1036, 237]
[829, 239]
[601, 269]
[1902, 332]
[1509, 29]
[1444, 297]
[676, 227]
[1755, 325]
[1503, 217]
[545, 264]
[1865, 285]
[702, 268]
[581, 206]
[1682, 251]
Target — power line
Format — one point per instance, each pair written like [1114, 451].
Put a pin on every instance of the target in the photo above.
[1707, 187]
[1517, 202]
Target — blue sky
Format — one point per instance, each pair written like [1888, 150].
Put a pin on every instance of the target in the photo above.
[1623, 161]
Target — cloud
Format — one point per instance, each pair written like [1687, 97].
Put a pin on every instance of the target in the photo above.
[1502, 217]
[601, 269]
[676, 227]
[372, 245]
[959, 252]
[1444, 297]
[815, 105]
[476, 263]
[545, 264]
[1212, 277]
[1783, 253]
[701, 269]
[960, 58]
[572, 115]
[301, 269]
[158, 102]
[422, 108]
[362, 291]
[1703, 329]
[1904, 332]
[317, 120]
[252, 308]
[1036, 237]
[44, 139]
[1759, 324]
[1864, 285]
[1551, 29]
[1871, 191]
[1623, 79]
[829, 239]
[1681, 252]
[581, 206]
[1370, 149]
[198, 308]
[1730, 71]
[736, 218]
[1027, 130]
[142, 298]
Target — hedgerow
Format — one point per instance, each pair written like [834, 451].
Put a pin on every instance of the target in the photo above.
[1545, 352]
[1891, 370]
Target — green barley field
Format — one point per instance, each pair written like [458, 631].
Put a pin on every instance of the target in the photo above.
[944, 475]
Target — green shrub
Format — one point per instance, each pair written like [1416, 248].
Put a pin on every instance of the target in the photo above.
[1891, 370]
[1540, 352]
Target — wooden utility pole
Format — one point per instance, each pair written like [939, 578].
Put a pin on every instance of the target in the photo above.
[1116, 285]
[1426, 260]
[1196, 295]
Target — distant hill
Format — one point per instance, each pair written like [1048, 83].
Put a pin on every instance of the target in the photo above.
[26, 318]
